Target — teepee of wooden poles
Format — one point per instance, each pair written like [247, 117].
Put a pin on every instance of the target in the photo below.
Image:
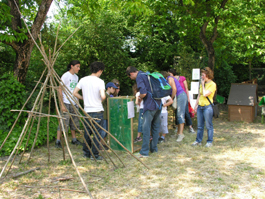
[50, 81]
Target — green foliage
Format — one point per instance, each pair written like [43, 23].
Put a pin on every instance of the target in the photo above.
[223, 77]
[41, 139]
[7, 57]
[13, 97]
[186, 61]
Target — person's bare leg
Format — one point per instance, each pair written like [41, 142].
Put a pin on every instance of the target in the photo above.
[180, 128]
[73, 134]
[59, 134]
[180, 132]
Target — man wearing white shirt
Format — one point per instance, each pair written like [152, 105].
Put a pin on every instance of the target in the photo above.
[93, 93]
[70, 80]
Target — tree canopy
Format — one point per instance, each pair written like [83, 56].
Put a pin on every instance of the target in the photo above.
[226, 35]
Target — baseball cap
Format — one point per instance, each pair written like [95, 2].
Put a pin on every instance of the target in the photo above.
[111, 84]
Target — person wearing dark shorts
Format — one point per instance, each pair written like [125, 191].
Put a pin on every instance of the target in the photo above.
[70, 80]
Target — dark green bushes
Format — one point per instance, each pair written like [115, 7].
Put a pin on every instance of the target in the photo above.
[13, 96]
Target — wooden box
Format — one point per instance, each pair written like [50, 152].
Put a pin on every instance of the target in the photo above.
[242, 102]
[241, 113]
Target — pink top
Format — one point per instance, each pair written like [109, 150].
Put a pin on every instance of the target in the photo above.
[181, 80]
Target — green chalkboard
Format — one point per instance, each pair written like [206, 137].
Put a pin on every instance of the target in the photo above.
[122, 128]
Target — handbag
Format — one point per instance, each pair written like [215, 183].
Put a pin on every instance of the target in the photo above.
[191, 111]
[215, 109]
[175, 103]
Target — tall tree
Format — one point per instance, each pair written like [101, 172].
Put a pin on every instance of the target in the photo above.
[203, 16]
[14, 33]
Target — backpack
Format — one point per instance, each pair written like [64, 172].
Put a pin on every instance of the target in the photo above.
[159, 86]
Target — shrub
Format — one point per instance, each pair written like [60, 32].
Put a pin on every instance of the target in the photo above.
[13, 97]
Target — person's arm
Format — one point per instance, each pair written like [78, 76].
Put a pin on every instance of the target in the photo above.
[171, 82]
[76, 94]
[205, 92]
[142, 96]
[168, 103]
[196, 104]
[102, 94]
[187, 90]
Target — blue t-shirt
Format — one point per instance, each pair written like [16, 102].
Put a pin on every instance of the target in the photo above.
[144, 88]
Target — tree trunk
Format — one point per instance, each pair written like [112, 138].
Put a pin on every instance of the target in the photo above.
[211, 56]
[23, 49]
[22, 60]
[208, 43]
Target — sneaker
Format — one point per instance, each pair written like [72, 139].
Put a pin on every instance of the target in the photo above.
[58, 145]
[151, 137]
[98, 157]
[208, 144]
[176, 130]
[180, 137]
[138, 139]
[192, 130]
[196, 143]
[77, 142]
[161, 140]
[139, 155]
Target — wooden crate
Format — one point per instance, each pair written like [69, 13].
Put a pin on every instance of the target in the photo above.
[241, 113]
[123, 129]
[242, 102]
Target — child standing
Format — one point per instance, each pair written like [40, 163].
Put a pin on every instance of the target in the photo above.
[111, 88]
[166, 101]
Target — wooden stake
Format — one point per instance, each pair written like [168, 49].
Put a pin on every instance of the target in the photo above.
[25, 172]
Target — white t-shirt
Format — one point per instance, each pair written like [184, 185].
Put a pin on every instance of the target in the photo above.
[142, 102]
[70, 81]
[91, 86]
[163, 101]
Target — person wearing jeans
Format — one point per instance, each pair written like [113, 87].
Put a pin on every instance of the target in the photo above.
[93, 94]
[203, 107]
[205, 114]
[183, 83]
[151, 111]
[99, 120]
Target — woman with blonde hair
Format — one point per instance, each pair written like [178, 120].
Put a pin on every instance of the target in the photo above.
[203, 107]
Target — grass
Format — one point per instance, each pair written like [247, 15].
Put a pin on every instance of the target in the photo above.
[233, 168]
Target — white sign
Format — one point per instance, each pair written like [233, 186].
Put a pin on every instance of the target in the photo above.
[192, 103]
[194, 87]
[195, 74]
[191, 95]
[130, 107]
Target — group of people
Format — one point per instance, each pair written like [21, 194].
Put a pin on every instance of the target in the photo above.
[153, 120]
[153, 114]
[94, 95]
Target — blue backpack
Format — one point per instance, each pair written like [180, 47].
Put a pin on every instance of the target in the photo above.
[159, 86]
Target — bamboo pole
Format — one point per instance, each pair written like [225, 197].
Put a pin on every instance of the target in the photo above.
[27, 141]
[48, 126]
[69, 151]
[18, 149]
[38, 127]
